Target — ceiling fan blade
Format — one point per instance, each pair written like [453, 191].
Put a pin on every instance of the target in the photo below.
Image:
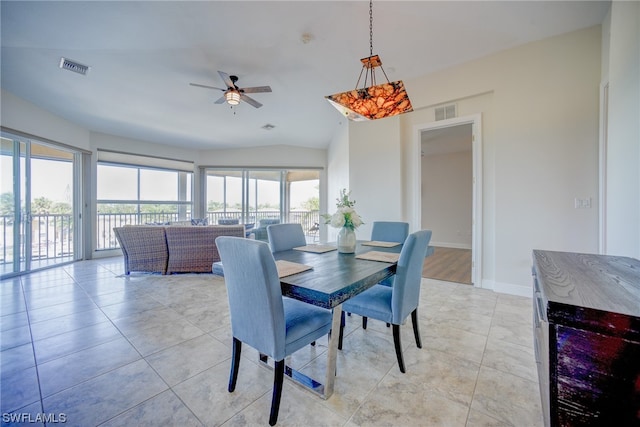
[206, 87]
[220, 100]
[257, 89]
[226, 79]
[249, 100]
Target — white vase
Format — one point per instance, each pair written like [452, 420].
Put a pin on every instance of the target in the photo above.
[346, 241]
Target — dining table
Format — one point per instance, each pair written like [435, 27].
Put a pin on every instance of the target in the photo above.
[332, 278]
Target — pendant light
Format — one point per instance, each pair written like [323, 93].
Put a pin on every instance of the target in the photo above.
[376, 101]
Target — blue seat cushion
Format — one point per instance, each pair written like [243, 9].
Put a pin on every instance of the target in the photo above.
[216, 268]
[375, 303]
[304, 323]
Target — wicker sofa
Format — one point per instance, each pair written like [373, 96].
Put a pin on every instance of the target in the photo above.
[172, 249]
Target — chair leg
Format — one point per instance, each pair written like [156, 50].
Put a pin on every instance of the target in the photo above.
[398, 345]
[235, 364]
[278, 378]
[341, 331]
[364, 322]
[416, 330]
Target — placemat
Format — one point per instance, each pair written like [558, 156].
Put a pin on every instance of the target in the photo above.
[288, 268]
[379, 256]
[380, 244]
[318, 249]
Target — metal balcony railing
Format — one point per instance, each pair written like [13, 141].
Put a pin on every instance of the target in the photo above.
[52, 234]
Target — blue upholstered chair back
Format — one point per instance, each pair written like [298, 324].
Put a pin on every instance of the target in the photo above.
[406, 286]
[255, 298]
[389, 231]
[283, 237]
[228, 221]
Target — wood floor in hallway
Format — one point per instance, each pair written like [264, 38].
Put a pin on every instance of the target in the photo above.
[448, 264]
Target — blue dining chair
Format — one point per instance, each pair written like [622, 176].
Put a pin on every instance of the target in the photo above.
[260, 316]
[389, 231]
[283, 237]
[393, 304]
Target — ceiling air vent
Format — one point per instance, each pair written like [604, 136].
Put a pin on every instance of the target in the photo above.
[67, 64]
[446, 112]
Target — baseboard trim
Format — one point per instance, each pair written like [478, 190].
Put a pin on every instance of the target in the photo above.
[450, 245]
[106, 253]
[507, 288]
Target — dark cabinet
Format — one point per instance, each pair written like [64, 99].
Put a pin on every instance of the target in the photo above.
[587, 338]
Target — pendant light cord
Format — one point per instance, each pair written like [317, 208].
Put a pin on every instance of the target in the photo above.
[370, 27]
[369, 71]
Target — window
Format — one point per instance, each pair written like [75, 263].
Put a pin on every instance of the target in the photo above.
[131, 194]
[257, 197]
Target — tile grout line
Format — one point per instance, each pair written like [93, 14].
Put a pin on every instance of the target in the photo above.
[480, 365]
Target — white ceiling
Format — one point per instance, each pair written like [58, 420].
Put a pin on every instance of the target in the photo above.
[143, 55]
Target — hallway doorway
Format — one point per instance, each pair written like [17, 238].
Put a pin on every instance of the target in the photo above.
[450, 199]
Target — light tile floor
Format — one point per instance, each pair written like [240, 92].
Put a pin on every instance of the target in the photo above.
[84, 344]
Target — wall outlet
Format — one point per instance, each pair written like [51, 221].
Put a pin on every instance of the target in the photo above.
[582, 203]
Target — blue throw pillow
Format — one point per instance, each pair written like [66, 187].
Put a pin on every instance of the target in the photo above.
[199, 221]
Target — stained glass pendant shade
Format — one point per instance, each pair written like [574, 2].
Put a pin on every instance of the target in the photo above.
[376, 101]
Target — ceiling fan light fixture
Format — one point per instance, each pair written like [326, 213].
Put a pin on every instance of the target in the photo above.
[232, 97]
[376, 101]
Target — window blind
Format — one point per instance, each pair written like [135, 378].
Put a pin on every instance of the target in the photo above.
[148, 161]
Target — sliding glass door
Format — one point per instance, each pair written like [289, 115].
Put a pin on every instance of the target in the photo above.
[37, 227]
[225, 196]
[264, 196]
[259, 197]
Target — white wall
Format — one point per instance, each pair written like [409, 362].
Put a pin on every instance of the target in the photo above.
[539, 106]
[623, 152]
[144, 148]
[447, 198]
[272, 156]
[337, 175]
[21, 115]
[374, 162]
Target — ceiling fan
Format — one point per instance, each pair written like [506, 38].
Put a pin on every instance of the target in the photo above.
[234, 94]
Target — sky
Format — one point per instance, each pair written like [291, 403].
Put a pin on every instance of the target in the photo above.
[54, 180]
[50, 179]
